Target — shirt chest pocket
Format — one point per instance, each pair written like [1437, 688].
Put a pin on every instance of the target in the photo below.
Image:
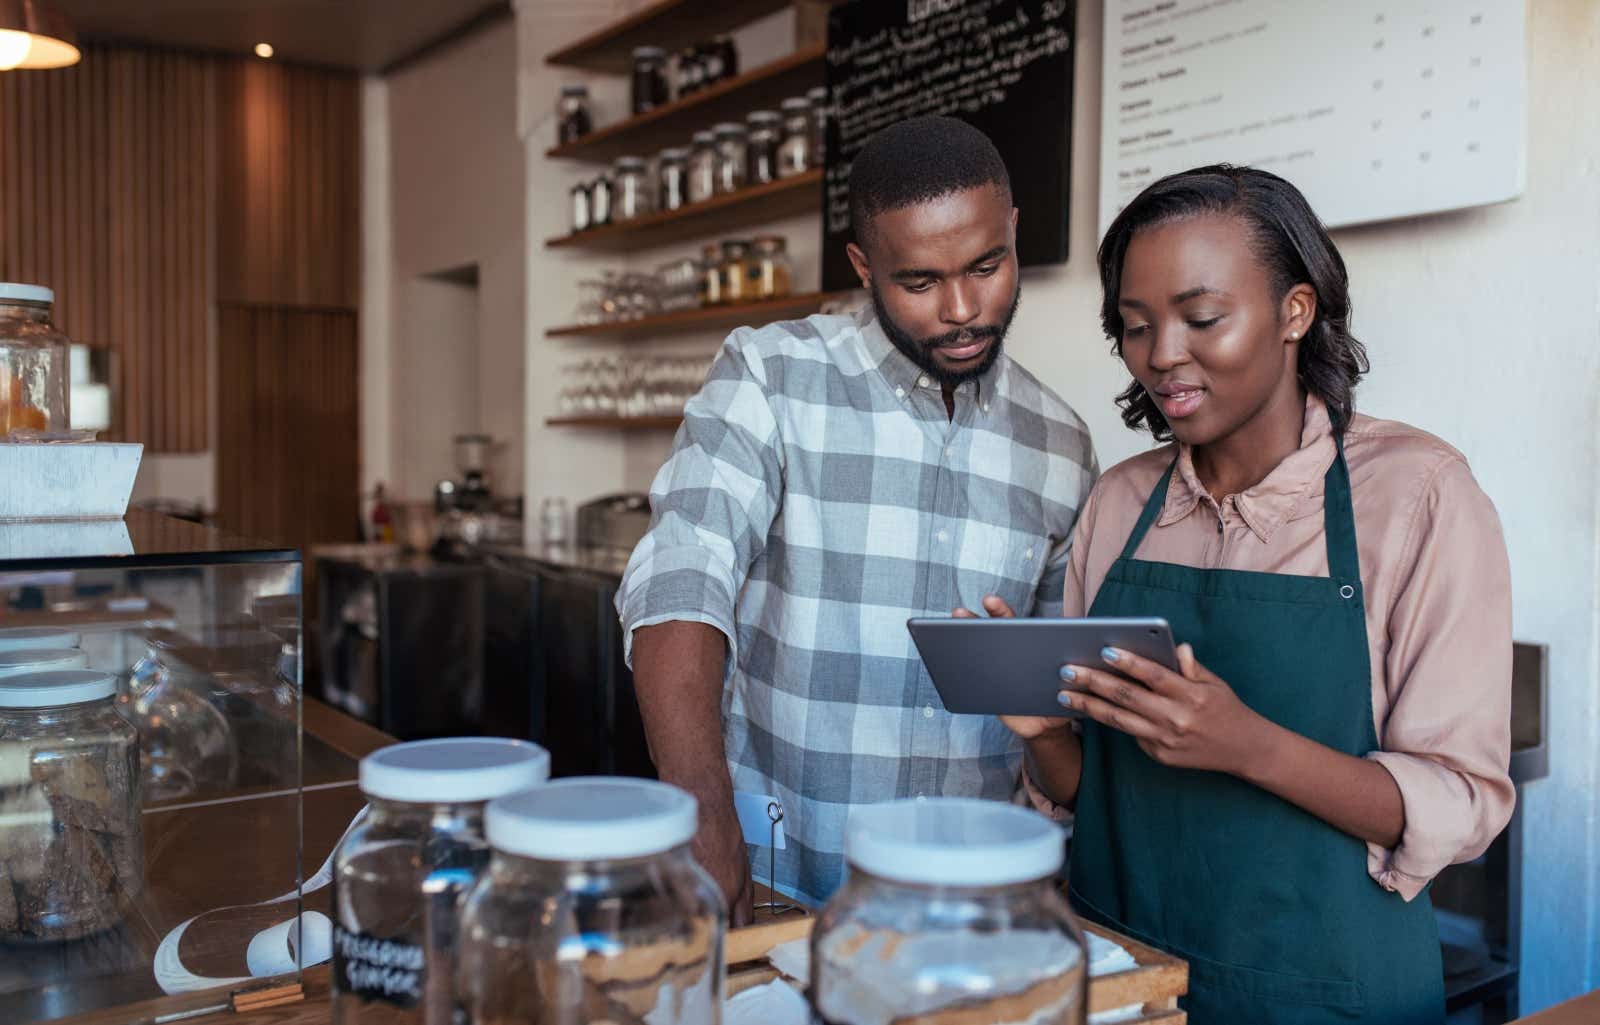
[1000, 560]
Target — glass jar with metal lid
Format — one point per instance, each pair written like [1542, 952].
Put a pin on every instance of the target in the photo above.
[593, 909]
[950, 904]
[400, 873]
[633, 196]
[650, 89]
[17, 638]
[601, 194]
[770, 274]
[573, 121]
[795, 155]
[35, 373]
[672, 176]
[761, 153]
[711, 275]
[69, 785]
[736, 287]
[22, 661]
[733, 142]
[702, 167]
[582, 211]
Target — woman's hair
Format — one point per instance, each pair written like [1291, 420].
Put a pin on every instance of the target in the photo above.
[1291, 244]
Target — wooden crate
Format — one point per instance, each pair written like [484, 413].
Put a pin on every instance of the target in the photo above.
[1158, 981]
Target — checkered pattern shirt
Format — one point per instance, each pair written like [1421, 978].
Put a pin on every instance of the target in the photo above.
[818, 496]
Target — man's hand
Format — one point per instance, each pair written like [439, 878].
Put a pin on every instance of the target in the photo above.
[720, 850]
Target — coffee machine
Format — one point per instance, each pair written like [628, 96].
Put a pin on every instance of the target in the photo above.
[471, 493]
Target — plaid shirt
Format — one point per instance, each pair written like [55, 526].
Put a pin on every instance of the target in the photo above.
[818, 496]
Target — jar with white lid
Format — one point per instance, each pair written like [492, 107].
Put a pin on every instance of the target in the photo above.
[593, 909]
[733, 142]
[400, 873]
[702, 167]
[632, 196]
[35, 370]
[17, 638]
[69, 787]
[951, 903]
[23, 661]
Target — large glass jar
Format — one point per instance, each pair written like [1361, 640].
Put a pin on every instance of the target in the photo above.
[593, 910]
[761, 154]
[633, 198]
[650, 89]
[400, 873]
[69, 778]
[702, 167]
[672, 174]
[186, 745]
[950, 904]
[795, 155]
[573, 121]
[735, 274]
[770, 274]
[733, 141]
[35, 373]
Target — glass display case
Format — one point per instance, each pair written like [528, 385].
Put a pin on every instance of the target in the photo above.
[159, 806]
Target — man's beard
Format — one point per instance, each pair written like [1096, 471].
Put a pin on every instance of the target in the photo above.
[920, 351]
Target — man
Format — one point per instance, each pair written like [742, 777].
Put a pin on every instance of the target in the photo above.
[834, 477]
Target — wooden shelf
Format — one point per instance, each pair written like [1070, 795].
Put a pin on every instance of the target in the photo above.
[623, 423]
[672, 125]
[671, 24]
[712, 218]
[707, 318]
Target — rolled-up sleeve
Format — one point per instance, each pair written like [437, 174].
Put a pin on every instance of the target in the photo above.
[1447, 737]
[712, 504]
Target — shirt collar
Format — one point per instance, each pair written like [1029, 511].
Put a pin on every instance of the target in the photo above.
[1269, 504]
[905, 377]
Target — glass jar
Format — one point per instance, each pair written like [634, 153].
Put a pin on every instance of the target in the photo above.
[400, 873]
[702, 167]
[951, 903]
[795, 155]
[735, 275]
[725, 59]
[35, 374]
[679, 284]
[632, 198]
[819, 124]
[186, 746]
[600, 195]
[572, 114]
[733, 142]
[711, 275]
[761, 152]
[69, 769]
[673, 177]
[593, 909]
[582, 215]
[770, 274]
[649, 79]
[691, 72]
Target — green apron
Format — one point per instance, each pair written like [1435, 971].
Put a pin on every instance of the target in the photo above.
[1272, 907]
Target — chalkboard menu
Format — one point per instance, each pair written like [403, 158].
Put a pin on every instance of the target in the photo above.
[1004, 66]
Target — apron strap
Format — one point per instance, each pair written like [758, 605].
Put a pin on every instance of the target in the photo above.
[1152, 509]
[1339, 521]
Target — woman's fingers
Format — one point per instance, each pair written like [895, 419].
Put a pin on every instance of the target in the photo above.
[1157, 677]
[1108, 714]
[1118, 690]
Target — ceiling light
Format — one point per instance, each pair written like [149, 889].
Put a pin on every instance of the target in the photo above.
[263, 50]
[34, 34]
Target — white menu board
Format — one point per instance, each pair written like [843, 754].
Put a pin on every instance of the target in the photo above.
[1375, 108]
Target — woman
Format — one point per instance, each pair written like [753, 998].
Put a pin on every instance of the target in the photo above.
[1340, 730]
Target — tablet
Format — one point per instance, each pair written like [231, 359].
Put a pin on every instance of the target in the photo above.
[1013, 666]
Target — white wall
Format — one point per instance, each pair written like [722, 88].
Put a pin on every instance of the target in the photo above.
[455, 199]
[379, 368]
[1483, 326]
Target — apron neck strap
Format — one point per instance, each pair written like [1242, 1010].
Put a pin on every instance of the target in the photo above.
[1338, 517]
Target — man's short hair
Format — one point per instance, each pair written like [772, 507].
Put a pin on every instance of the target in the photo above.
[918, 160]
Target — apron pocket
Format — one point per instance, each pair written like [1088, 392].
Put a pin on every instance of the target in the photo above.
[1341, 997]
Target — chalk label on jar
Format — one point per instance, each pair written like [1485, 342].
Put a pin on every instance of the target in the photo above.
[375, 968]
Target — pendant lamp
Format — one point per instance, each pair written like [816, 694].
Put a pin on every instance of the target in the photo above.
[34, 34]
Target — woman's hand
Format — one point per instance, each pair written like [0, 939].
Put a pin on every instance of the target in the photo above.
[1028, 727]
[1189, 720]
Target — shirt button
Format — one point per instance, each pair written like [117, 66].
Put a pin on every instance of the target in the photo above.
[1028, 554]
[899, 393]
[943, 536]
[986, 407]
[922, 382]
[927, 711]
